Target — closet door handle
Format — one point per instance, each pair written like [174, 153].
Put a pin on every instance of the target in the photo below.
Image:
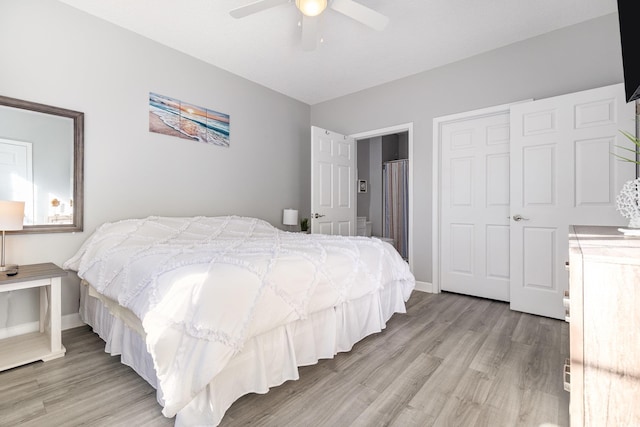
[317, 215]
[518, 217]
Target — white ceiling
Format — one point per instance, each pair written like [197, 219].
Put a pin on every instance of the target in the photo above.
[265, 47]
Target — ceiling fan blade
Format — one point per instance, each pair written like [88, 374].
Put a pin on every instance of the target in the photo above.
[360, 13]
[255, 7]
[309, 32]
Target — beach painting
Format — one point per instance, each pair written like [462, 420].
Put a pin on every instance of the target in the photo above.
[173, 117]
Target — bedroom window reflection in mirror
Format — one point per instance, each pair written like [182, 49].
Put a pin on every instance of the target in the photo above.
[41, 163]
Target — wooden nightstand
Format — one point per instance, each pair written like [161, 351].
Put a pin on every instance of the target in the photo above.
[47, 343]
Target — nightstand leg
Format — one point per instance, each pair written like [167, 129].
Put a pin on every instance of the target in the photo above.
[43, 307]
[55, 313]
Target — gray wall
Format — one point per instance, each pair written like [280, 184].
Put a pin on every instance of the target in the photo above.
[403, 145]
[363, 199]
[375, 185]
[390, 147]
[575, 58]
[56, 55]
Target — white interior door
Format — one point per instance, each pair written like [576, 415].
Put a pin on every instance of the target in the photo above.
[562, 173]
[333, 181]
[474, 203]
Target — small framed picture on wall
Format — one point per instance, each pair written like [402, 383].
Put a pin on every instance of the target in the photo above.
[362, 186]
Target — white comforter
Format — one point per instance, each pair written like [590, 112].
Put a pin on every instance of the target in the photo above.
[203, 286]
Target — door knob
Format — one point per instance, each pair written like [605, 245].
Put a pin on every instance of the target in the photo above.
[518, 217]
[317, 215]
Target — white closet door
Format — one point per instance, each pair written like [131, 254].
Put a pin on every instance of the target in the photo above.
[562, 173]
[474, 204]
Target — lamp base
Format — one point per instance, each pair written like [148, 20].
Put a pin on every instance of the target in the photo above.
[8, 267]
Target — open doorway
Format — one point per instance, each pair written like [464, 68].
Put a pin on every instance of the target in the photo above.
[382, 199]
[385, 186]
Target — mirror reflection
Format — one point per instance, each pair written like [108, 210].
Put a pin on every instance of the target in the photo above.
[41, 163]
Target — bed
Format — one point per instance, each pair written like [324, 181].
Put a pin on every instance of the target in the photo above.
[207, 309]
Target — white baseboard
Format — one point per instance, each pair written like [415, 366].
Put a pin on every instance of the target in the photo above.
[424, 287]
[21, 329]
[68, 321]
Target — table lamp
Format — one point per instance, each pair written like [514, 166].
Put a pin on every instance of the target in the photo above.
[290, 217]
[11, 219]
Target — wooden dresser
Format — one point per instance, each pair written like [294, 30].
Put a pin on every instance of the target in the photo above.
[604, 316]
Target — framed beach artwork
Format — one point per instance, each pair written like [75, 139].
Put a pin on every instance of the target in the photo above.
[170, 116]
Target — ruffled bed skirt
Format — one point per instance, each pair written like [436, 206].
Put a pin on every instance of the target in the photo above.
[266, 360]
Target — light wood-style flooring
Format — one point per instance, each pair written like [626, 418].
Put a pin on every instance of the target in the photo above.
[452, 360]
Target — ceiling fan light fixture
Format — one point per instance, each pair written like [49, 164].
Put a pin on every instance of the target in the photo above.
[311, 7]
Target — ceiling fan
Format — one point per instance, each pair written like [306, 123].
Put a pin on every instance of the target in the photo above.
[311, 10]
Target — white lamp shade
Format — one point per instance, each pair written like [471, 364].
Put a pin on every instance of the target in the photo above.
[11, 215]
[290, 217]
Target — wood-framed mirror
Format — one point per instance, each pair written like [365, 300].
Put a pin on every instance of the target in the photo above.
[42, 164]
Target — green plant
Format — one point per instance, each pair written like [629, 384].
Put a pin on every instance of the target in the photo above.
[635, 151]
[304, 224]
